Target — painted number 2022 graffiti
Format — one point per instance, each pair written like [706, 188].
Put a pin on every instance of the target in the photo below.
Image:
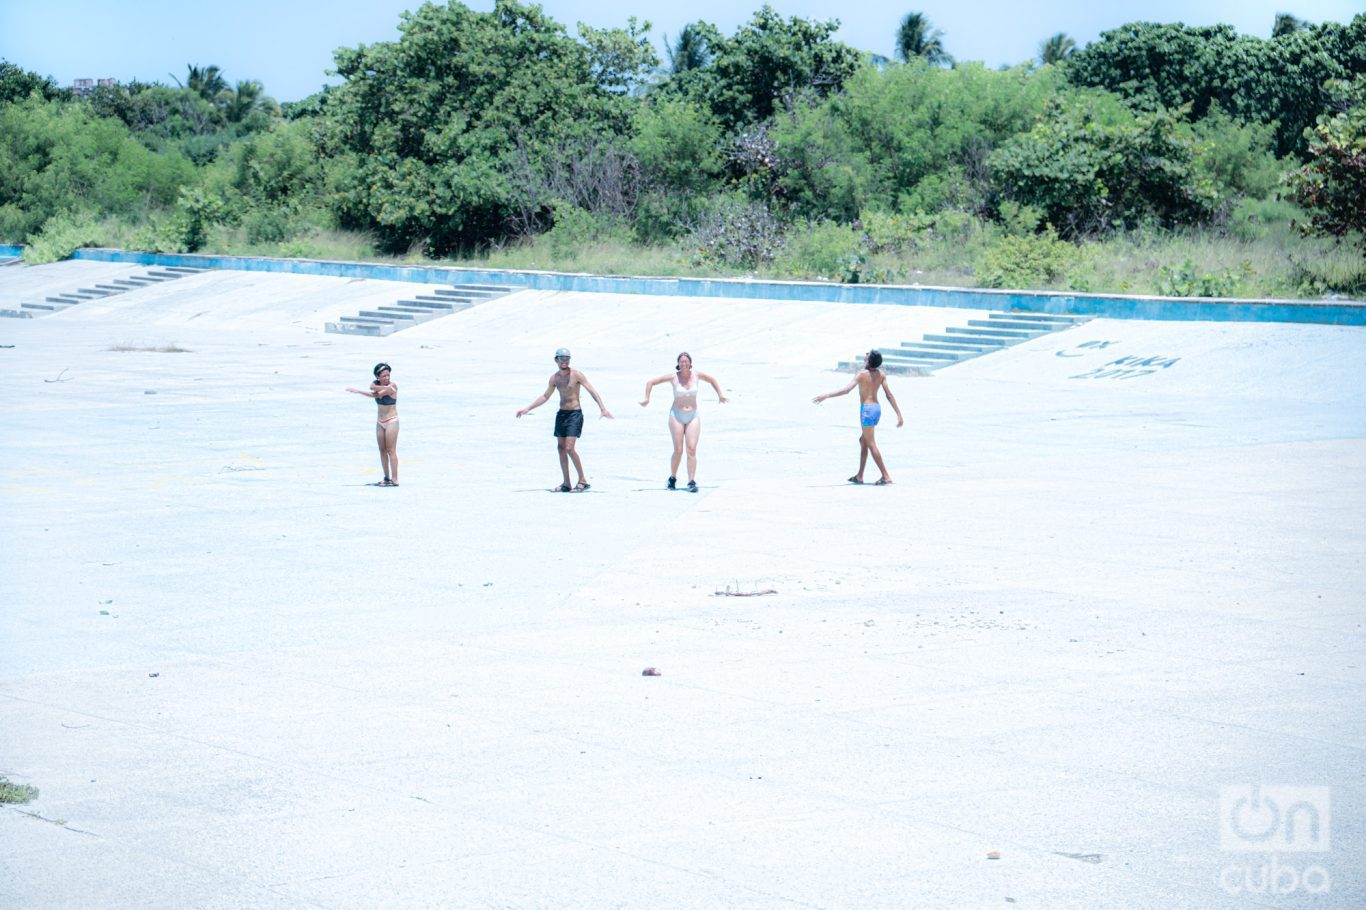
[1129, 368]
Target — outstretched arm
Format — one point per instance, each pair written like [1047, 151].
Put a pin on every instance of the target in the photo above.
[891, 399]
[844, 391]
[650, 385]
[583, 381]
[719, 395]
[545, 396]
[376, 390]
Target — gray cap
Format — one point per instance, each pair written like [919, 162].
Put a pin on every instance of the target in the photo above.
[562, 352]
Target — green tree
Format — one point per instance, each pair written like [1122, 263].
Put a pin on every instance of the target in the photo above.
[1286, 24]
[424, 132]
[1237, 155]
[690, 51]
[58, 158]
[247, 98]
[816, 167]
[917, 38]
[17, 83]
[205, 81]
[1056, 49]
[277, 165]
[160, 112]
[769, 62]
[620, 59]
[676, 143]
[677, 146]
[1091, 165]
[1279, 80]
[1331, 187]
[921, 136]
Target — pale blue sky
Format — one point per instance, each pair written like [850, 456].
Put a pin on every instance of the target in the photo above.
[288, 45]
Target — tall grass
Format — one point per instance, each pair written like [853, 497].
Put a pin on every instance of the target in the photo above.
[610, 256]
[1256, 253]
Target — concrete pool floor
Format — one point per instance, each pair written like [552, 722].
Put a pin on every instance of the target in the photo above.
[1090, 616]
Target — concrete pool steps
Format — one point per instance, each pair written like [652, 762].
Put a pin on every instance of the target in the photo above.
[958, 343]
[54, 303]
[385, 320]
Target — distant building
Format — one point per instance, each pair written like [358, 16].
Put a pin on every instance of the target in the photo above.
[81, 87]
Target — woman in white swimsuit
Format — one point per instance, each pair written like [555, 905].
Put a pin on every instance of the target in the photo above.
[684, 424]
[385, 394]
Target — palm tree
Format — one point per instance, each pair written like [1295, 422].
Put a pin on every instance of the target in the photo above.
[689, 52]
[208, 82]
[1057, 49]
[1287, 24]
[247, 97]
[917, 37]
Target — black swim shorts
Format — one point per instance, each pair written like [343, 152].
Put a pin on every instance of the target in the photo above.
[569, 423]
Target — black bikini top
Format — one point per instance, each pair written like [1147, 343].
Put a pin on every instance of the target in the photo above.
[386, 399]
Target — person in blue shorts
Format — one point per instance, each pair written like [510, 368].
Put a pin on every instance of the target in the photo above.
[869, 381]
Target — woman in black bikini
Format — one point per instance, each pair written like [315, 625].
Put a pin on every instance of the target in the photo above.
[385, 394]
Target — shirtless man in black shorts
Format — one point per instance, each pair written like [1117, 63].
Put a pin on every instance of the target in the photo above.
[569, 419]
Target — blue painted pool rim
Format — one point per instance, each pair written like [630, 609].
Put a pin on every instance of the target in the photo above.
[1326, 312]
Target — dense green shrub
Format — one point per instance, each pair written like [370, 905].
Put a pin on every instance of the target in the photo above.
[1092, 167]
[1236, 155]
[677, 145]
[1023, 261]
[270, 225]
[736, 231]
[894, 233]
[17, 84]
[56, 157]
[186, 228]
[1332, 185]
[820, 250]
[1256, 80]
[575, 228]
[918, 137]
[813, 166]
[60, 236]
[1188, 281]
[278, 165]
